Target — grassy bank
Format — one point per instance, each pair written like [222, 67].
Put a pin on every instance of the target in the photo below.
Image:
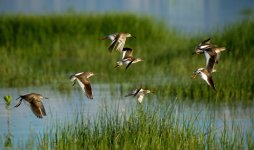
[142, 128]
[45, 50]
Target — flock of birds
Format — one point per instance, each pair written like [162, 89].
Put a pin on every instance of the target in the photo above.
[211, 52]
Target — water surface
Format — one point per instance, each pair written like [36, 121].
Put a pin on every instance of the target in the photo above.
[62, 107]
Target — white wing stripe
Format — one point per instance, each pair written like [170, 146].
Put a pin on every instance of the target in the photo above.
[140, 98]
[81, 85]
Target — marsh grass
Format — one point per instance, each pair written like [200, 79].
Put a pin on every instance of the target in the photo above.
[45, 50]
[142, 127]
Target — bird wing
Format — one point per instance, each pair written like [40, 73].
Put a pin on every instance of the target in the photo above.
[207, 41]
[211, 58]
[219, 49]
[114, 42]
[127, 52]
[38, 108]
[140, 97]
[121, 41]
[204, 77]
[207, 57]
[210, 64]
[128, 61]
[128, 65]
[137, 91]
[86, 87]
[112, 45]
[133, 93]
[129, 94]
[112, 36]
[208, 78]
[81, 85]
[203, 45]
[210, 82]
[88, 90]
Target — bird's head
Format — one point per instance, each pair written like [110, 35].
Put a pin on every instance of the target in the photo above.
[72, 77]
[90, 74]
[118, 64]
[195, 73]
[129, 35]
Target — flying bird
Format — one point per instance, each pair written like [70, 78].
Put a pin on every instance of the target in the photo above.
[211, 52]
[206, 44]
[205, 75]
[139, 93]
[127, 58]
[35, 102]
[118, 40]
[82, 79]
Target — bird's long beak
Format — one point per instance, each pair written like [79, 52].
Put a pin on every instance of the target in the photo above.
[18, 98]
[46, 98]
[193, 76]
[102, 38]
[73, 83]
[133, 36]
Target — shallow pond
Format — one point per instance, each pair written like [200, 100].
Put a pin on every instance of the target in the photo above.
[63, 107]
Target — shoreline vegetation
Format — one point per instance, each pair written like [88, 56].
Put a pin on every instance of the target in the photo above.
[142, 127]
[45, 50]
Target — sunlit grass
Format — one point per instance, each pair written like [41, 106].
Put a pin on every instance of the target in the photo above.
[45, 50]
[142, 127]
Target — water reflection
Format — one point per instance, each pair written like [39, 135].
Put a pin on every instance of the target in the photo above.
[186, 16]
[20, 122]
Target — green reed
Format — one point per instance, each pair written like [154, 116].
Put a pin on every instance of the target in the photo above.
[142, 127]
[46, 50]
